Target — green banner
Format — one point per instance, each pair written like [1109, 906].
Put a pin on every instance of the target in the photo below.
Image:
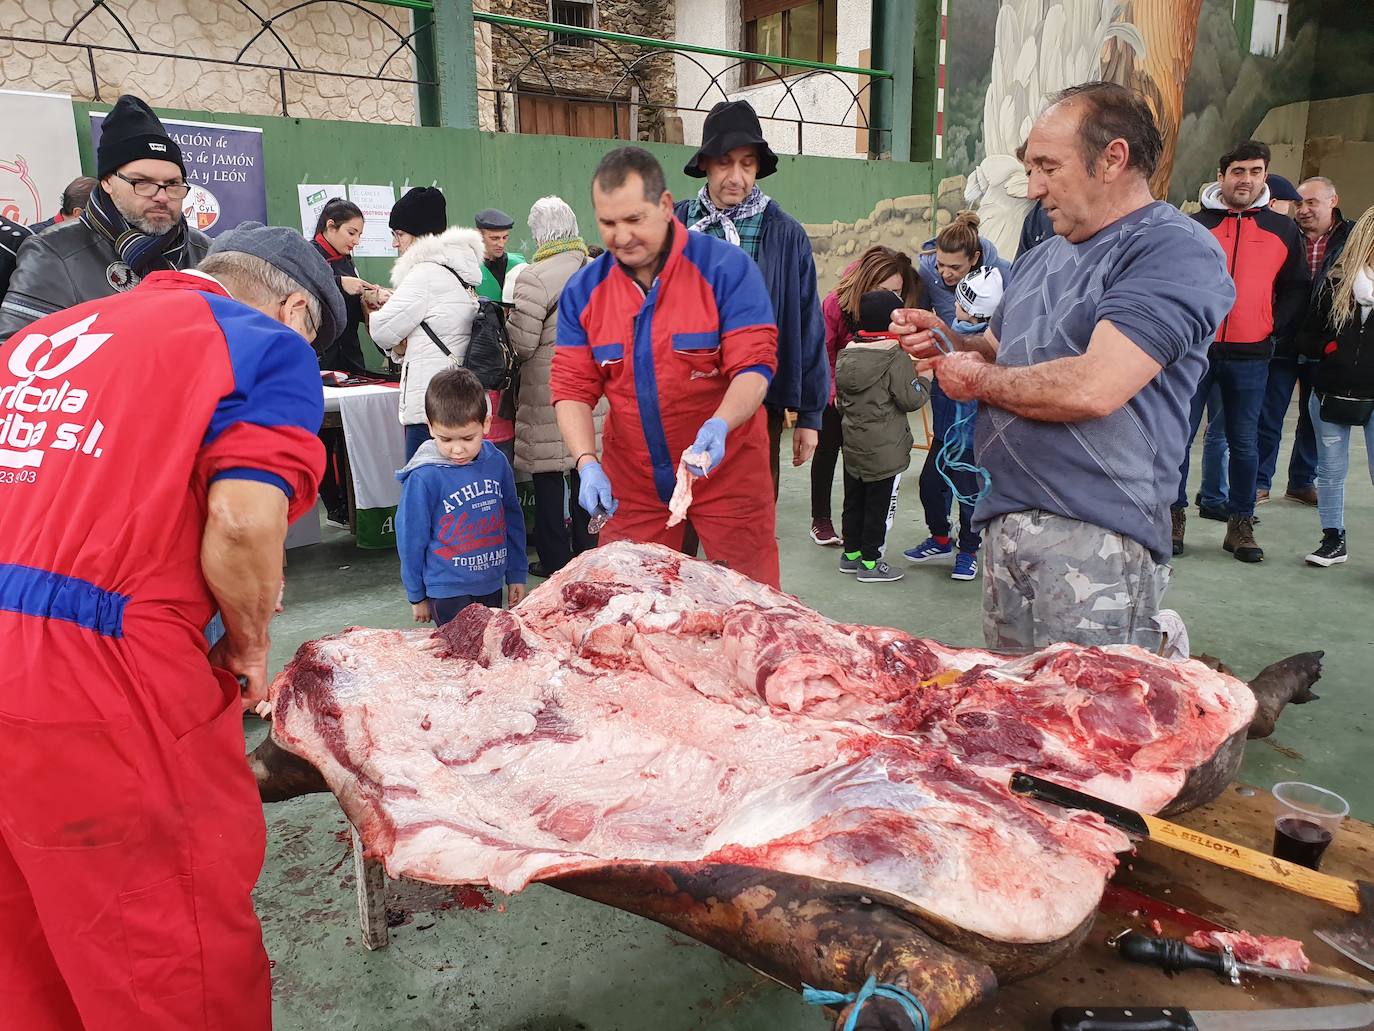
[377, 528]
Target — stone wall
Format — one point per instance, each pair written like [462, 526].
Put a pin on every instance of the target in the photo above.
[330, 37]
[591, 71]
[902, 223]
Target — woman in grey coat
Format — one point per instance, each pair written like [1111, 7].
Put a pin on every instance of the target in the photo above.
[539, 448]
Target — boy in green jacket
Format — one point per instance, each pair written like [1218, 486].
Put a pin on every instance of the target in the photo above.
[876, 386]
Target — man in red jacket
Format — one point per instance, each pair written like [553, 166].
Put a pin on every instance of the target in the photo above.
[1264, 255]
[675, 329]
[152, 446]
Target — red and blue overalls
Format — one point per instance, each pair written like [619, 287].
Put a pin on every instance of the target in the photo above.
[664, 359]
[131, 833]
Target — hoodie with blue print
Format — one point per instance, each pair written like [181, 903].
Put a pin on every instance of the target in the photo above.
[459, 528]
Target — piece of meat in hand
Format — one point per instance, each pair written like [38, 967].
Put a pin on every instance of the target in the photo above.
[682, 493]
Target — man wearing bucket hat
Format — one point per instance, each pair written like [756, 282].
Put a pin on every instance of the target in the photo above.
[732, 157]
[131, 226]
[160, 440]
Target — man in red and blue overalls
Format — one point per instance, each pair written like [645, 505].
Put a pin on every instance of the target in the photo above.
[677, 331]
[153, 446]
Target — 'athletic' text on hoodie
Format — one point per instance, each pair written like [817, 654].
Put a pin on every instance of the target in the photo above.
[459, 528]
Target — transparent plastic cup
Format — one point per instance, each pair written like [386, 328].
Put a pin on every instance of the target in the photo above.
[1306, 819]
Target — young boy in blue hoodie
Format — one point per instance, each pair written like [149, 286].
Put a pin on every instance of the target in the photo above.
[459, 528]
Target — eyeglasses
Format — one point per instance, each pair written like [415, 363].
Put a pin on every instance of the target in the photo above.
[149, 188]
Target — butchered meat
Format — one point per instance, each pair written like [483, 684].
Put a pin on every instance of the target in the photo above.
[641, 707]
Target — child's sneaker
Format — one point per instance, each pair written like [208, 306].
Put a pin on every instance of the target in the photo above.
[850, 565]
[965, 566]
[928, 549]
[823, 533]
[880, 574]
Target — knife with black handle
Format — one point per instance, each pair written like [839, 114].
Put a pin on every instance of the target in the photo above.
[1176, 1018]
[1174, 955]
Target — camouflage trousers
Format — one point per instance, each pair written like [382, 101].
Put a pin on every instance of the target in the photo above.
[1047, 578]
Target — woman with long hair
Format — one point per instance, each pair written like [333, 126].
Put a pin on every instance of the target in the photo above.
[337, 232]
[878, 268]
[1339, 336]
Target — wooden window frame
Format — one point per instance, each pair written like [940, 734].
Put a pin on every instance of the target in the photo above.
[752, 74]
[578, 43]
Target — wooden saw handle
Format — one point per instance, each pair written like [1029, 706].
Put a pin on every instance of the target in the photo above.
[1334, 891]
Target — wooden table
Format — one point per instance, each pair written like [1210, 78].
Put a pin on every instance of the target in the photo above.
[1096, 975]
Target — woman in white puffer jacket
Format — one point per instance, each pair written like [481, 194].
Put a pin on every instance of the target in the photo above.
[432, 282]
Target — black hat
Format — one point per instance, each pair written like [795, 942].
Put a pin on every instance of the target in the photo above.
[421, 211]
[493, 219]
[1281, 189]
[287, 250]
[731, 124]
[875, 310]
[131, 132]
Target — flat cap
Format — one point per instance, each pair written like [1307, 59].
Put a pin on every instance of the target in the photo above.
[493, 218]
[1281, 189]
[287, 250]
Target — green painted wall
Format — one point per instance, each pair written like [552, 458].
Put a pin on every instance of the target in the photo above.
[511, 171]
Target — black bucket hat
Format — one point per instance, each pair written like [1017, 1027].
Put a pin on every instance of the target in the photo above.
[731, 124]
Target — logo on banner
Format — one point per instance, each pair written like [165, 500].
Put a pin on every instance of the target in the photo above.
[30, 407]
[201, 208]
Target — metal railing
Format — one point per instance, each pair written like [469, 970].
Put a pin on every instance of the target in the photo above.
[630, 55]
[269, 26]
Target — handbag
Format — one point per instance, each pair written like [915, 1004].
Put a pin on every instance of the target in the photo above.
[1345, 411]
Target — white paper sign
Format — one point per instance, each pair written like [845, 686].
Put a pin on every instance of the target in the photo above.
[38, 154]
[313, 198]
[376, 203]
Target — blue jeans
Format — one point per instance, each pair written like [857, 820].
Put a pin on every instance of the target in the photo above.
[444, 609]
[1284, 375]
[1333, 463]
[416, 434]
[1242, 382]
[1215, 453]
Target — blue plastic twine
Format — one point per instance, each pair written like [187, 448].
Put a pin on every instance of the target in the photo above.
[958, 438]
[911, 1005]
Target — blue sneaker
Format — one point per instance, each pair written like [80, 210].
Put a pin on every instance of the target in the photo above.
[927, 550]
[965, 566]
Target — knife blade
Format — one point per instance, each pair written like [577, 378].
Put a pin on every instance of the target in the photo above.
[1177, 1018]
[1174, 955]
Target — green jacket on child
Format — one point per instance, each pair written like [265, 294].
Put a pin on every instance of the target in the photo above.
[875, 388]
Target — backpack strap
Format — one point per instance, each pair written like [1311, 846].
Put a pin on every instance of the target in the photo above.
[425, 325]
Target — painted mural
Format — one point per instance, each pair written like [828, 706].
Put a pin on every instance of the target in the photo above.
[1212, 70]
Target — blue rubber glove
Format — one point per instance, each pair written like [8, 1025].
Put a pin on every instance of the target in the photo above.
[595, 490]
[710, 440]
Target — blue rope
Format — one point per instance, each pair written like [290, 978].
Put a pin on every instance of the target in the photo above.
[959, 438]
[911, 1005]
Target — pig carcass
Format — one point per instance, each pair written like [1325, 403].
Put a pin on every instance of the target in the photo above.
[670, 737]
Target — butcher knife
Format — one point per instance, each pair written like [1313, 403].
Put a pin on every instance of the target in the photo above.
[1176, 1018]
[1334, 891]
[1174, 955]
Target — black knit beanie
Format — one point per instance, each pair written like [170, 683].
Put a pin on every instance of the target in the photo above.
[131, 132]
[875, 310]
[421, 211]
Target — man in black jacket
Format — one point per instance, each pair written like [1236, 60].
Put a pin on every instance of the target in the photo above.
[732, 157]
[132, 225]
[1323, 235]
[12, 235]
[1264, 256]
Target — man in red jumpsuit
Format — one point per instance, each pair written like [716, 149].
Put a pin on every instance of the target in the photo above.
[677, 331]
[153, 445]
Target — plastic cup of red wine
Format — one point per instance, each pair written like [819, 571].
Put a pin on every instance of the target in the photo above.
[1306, 818]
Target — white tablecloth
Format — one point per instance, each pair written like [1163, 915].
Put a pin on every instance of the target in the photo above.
[375, 440]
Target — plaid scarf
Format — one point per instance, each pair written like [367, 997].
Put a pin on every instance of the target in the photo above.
[140, 251]
[734, 223]
[563, 246]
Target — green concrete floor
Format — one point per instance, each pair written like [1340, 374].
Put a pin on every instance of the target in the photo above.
[544, 961]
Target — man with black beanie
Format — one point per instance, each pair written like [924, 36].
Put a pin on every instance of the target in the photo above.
[133, 225]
